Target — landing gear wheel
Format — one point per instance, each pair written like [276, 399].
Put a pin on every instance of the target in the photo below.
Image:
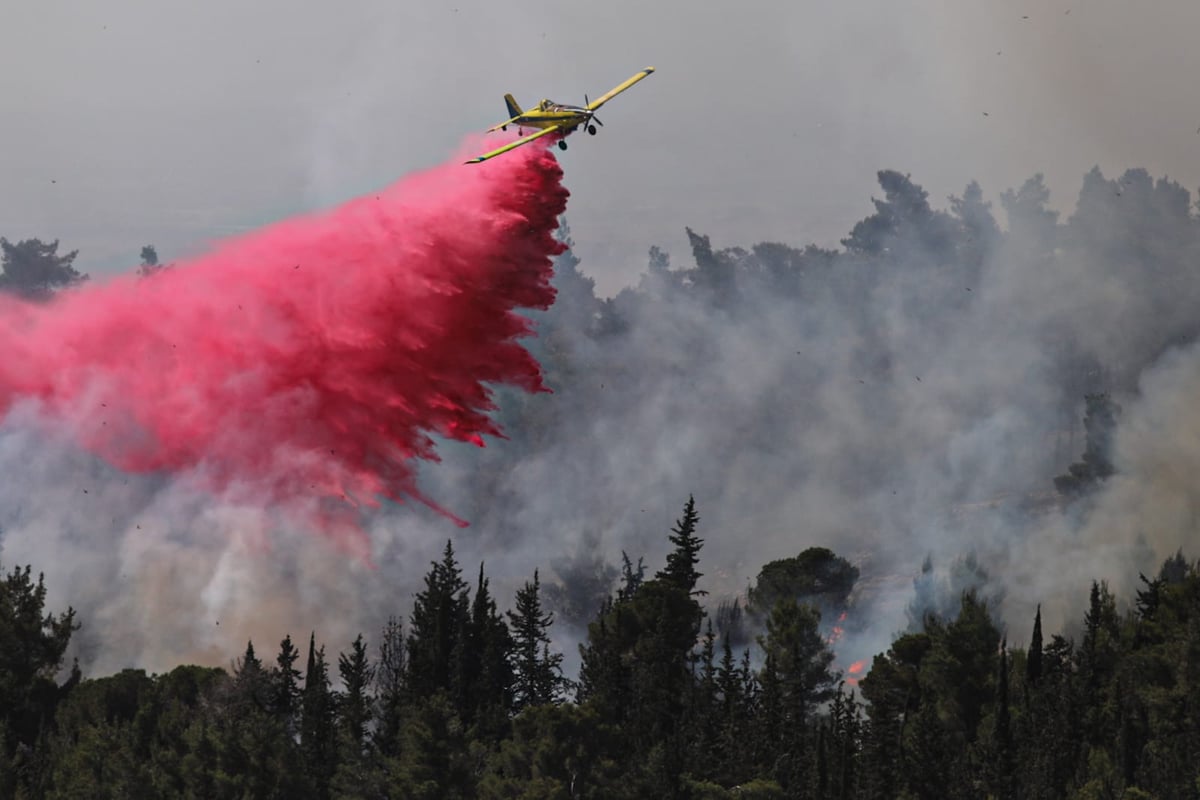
[503, 127]
[591, 129]
[562, 145]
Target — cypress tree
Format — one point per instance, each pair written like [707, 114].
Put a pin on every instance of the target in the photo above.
[1033, 662]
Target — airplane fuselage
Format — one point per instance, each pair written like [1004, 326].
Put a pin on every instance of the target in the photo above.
[548, 114]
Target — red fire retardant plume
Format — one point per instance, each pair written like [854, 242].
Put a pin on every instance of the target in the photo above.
[306, 365]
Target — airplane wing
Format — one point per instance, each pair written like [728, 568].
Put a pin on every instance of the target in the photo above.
[514, 144]
[500, 125]
[616, 90]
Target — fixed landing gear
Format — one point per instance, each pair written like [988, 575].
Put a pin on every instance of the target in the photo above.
[503, 127]
[562, 144]
[591, 129]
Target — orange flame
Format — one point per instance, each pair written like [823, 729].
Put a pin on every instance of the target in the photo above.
[837, 630]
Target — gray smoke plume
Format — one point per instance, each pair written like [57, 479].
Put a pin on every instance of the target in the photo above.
[909, 395]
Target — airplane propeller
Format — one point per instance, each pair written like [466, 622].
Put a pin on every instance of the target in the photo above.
[592, 115]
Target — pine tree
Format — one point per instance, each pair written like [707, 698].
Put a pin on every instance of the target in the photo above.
[727, 679]
[286, 679]
[771, 730]
[603, 672]
[439, 616]
[929, 757]
[892, 691]
[355, 706]
[251, 682]
[150, 264]
[317, 730]
[903, 226]
[437, 758]
[681, 562]
[715, 273]
[733, 714]
[390, 688]
[796, 680]
[1031, 222]
[1097, 652]
[702, 712]
[845, 738]
[355, 770]
[979, 232]
[33, 269]
[537, 673]
[1002, 734]
[1100, 424]
[801, 661]
[489, 687]
[816, 576]
[631, 577]
[1148, 599]
[822, 778]
[1097, 658]
[32, 646]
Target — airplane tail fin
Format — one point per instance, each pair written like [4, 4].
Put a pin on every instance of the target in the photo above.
[514, 110]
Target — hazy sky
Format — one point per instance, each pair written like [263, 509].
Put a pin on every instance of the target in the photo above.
[136, 121]
[155, 121]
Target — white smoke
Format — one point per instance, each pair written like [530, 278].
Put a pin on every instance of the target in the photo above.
[886, 412]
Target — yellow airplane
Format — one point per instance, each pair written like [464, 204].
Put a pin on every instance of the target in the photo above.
[551, 117]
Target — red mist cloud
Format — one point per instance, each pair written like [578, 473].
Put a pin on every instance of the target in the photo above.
[307, 364]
